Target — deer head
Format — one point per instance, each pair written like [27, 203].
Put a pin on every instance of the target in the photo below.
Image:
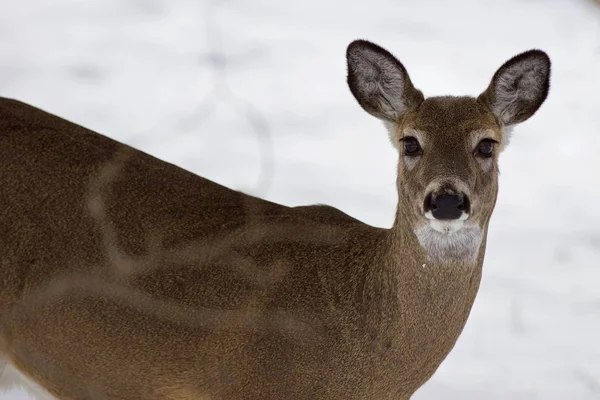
[448, 146]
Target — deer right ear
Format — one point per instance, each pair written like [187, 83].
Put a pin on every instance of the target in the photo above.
[379, 81]
[519, 87]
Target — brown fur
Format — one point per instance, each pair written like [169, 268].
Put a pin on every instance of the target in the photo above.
[125, 277]
[450, 123]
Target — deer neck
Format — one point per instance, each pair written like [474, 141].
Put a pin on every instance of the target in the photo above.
[445, 279]
[433, 293]
[419, 306]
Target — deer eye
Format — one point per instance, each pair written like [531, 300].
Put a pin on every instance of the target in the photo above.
[411, 146]
[485, 148]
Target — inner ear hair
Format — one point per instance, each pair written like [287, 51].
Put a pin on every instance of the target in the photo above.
[379, 82]
[519, 87]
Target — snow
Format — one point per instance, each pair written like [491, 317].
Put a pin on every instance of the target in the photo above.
[145, 72]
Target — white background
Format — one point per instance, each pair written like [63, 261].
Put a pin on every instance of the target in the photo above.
[145, 71]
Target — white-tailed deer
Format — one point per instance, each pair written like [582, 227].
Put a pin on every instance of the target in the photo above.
[125, 277]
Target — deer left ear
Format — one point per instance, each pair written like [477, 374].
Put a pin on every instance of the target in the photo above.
[519, 87]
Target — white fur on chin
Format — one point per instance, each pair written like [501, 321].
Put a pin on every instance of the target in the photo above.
[449, 240]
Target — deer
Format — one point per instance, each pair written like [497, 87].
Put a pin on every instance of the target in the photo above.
[125, 277]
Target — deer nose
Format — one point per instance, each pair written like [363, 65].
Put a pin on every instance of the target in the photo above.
[447, 206]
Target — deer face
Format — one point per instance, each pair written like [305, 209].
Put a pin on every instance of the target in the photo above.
[448, 146]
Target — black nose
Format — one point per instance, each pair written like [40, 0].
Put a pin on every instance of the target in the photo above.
[446, 206]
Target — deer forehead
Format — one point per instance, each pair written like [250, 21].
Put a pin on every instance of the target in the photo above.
[450, 121]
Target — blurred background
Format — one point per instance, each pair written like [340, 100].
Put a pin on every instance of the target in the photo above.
[252, 94]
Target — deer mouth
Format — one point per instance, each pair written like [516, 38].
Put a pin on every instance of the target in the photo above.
[446, 226]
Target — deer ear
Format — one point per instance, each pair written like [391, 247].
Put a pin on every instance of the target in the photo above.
[379, 81]
[519, 87]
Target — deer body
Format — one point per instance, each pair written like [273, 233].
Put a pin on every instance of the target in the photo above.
[125, 277]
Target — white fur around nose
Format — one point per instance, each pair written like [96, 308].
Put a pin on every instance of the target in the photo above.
[449, 240]
[446, 226]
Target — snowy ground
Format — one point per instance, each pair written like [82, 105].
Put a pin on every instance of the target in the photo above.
[144, 72]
